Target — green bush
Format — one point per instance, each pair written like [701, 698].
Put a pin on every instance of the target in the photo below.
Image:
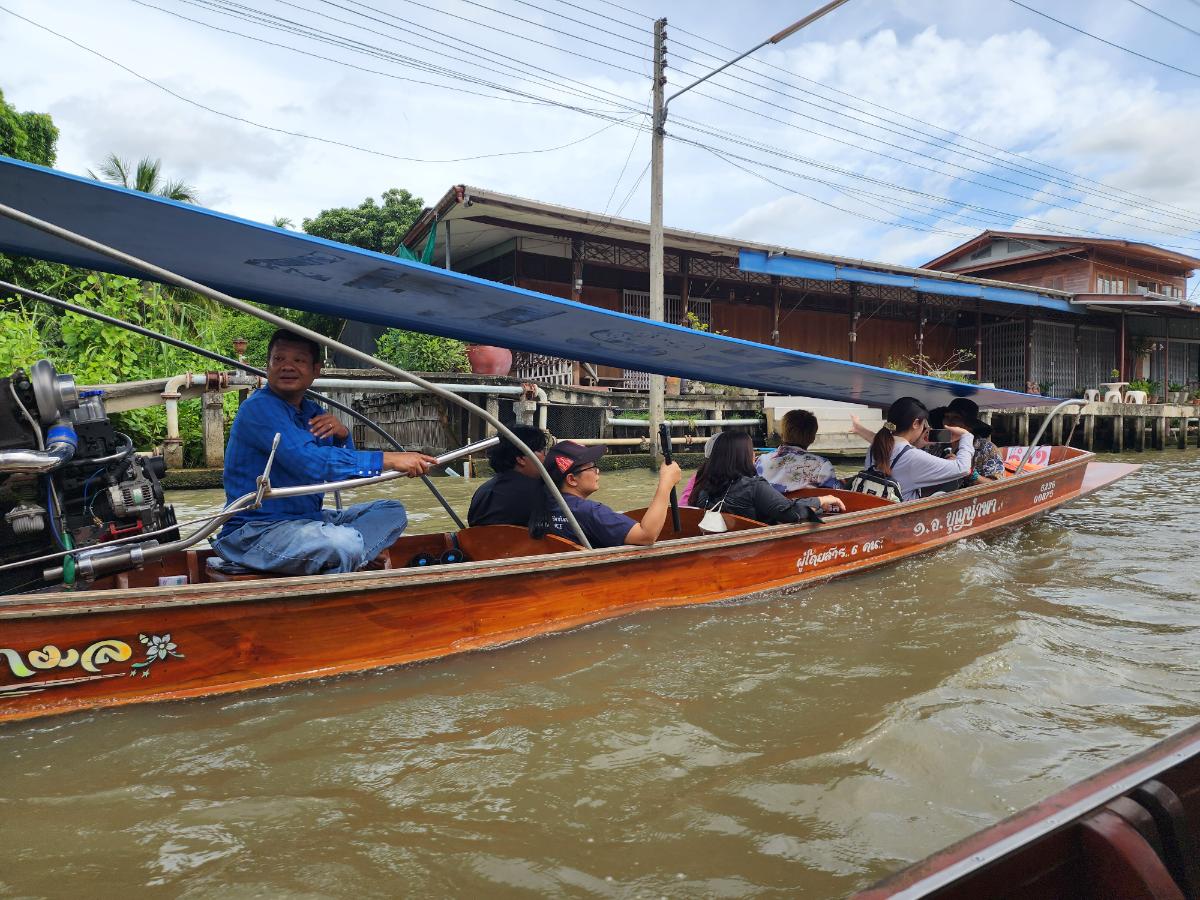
[419, 352]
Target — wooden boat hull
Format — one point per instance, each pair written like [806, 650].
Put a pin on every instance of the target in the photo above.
[1129, 831]
[69, 651]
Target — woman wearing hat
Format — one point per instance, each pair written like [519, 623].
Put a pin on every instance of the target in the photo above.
[987, 461]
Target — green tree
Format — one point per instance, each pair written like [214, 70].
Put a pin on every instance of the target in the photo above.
[146, 177]
[369, 225]
[29, 136]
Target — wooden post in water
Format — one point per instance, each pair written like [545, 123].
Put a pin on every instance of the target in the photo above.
[1089, 433]
[214, 429]
[1023, 428]
[1118, 443]
[1141, 432]
[1056, 431]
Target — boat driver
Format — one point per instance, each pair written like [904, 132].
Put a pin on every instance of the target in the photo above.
[294, 535]
[514, 493]
[575, 470]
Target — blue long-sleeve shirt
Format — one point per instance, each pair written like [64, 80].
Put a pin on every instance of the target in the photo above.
[300, 459]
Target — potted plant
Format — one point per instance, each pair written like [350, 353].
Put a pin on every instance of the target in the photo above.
[1114, 375]
[1177, 394]
[1045, 387]
[1196, 398]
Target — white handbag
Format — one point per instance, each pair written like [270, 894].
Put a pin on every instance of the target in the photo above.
[712, 522]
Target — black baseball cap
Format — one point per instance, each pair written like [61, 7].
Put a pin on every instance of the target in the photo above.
[568, 457]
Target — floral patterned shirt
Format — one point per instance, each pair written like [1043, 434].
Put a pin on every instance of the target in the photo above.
[988, 463]
[788, 468]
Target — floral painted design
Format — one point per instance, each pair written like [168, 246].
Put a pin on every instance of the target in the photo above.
[158, 647]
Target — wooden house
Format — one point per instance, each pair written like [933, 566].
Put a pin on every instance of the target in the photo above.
[1135, 294]
[1010, 334]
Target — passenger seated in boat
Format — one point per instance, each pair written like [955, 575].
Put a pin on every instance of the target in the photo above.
[573, 468]
[685, 496]
[987, 462]
[294, 535]
[728, 480]
[514, 493]
[790, 466]
[906, 427]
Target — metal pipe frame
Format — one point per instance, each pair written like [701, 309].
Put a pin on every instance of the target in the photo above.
[1045, 424]
[170, 277]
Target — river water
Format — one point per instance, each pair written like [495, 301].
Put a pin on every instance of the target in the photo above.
[794, 744]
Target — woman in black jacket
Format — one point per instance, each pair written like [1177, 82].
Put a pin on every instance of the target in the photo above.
[729, 475]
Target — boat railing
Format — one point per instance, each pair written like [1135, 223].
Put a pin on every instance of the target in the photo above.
[169, 277]
[1046, 424]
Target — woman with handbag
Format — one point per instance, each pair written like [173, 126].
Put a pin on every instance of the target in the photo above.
[728, 482]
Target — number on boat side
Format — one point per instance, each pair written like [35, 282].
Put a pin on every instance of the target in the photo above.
[813, 558]
[1045, 492]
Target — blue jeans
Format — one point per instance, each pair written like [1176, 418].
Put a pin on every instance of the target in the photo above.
[341, 541]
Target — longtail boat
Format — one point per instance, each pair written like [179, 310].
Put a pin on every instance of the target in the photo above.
[1132, 830]
[152, 621]
[128, 640]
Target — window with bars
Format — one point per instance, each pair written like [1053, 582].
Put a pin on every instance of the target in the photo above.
[637, 303]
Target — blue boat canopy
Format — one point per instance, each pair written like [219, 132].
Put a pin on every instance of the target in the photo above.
[271, 265]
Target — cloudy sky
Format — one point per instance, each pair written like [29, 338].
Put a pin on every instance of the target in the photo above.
[890, 130]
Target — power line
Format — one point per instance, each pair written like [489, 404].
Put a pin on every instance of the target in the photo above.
[309, 32]
[1094, 37]
[1155, 12]
[311, 137]
[1040, 171]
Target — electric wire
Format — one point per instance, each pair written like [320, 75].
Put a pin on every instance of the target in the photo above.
[1026, 164]
[1155, 12]
[1096, 37]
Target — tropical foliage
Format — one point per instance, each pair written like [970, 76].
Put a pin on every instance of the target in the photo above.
[418, 352]
[369, 225]
[146, 177]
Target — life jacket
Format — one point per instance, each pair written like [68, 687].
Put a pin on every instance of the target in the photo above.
[874, 482]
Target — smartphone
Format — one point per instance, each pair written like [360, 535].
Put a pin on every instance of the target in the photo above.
[939, 436]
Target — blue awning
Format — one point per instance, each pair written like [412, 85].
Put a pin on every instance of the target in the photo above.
[798, 267]
[271, 265]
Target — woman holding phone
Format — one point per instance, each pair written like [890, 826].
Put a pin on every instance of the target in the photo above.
[906, 428]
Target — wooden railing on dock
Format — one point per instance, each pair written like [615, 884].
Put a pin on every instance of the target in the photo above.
[1114, 427]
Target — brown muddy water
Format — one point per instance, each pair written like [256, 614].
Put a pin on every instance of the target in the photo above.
[792, 744]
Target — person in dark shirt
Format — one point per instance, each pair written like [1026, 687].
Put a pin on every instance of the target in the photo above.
[295, 535]
[514, 493]
[729, 482]
[573, 468]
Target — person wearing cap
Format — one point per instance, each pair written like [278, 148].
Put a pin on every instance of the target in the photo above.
[576, 473]
[514, 493]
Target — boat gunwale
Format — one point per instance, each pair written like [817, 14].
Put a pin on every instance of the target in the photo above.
[25, 606]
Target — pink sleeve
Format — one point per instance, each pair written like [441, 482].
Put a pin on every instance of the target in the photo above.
[686, 497]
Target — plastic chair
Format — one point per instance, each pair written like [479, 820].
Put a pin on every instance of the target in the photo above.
[1113, 397]
[1135, 397]
[1091, 395]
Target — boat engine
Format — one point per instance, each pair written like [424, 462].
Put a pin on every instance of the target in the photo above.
[68, 479]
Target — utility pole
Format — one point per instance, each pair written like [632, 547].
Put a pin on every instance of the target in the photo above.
[658, 133]
[657, 287]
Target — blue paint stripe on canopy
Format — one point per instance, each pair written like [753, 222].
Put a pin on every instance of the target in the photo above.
[266, 264]
[797, 267]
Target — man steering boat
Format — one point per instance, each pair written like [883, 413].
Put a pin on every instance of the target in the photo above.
[294, 535]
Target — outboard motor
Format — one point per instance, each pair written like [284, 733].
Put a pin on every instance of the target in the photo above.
[67, 479]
